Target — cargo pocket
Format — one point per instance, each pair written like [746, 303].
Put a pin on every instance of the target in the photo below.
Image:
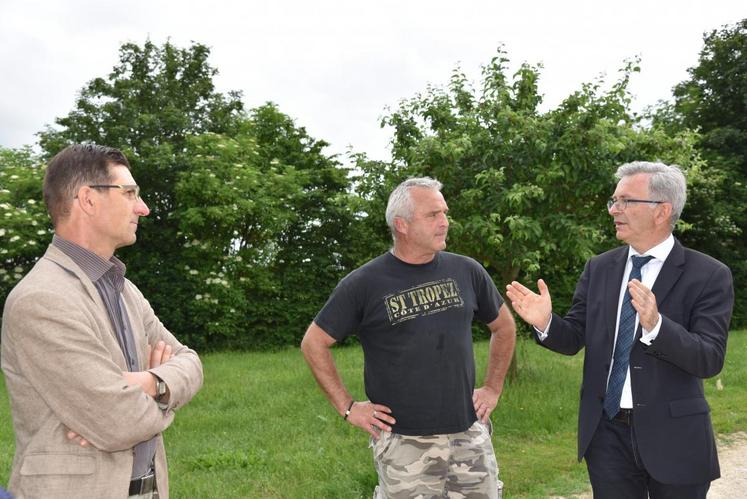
[381, 447]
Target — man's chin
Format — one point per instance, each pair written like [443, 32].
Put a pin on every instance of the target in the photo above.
[128, 243]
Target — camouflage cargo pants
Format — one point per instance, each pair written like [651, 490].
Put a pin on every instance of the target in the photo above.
[456, 465]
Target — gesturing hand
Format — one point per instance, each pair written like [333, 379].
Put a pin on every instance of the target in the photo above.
[534, 308]
[644, 302]
[369, 416]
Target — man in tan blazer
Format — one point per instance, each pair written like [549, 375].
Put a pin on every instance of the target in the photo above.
[92, 374]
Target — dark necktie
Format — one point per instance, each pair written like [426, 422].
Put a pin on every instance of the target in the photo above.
[624, 343]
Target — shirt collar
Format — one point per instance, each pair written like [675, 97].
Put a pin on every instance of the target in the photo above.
[90, 263]
[659, 252]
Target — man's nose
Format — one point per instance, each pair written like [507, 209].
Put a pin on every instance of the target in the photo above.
[141, 208]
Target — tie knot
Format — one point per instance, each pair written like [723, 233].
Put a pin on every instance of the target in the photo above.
[640, 261]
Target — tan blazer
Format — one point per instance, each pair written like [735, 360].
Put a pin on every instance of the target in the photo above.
[63, 370]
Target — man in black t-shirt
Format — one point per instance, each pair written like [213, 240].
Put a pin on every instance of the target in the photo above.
[412, 309]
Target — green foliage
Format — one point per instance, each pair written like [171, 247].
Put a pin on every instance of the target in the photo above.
[526, 189]
[264, 214]
[252, 225]
[312, 248]
[24, 226]
[248, 215]
[260, 427]
[148, 106]
[713, 101]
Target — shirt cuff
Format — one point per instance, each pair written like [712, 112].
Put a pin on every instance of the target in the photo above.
[647, 337]
[543, 334]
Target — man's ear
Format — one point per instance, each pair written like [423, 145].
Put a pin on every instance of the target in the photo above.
[85, 200]
[400, 225]
[663, 213]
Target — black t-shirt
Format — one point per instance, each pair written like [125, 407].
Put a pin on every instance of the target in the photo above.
[414, 323]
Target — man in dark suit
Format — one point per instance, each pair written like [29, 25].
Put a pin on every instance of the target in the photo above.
[653, 317]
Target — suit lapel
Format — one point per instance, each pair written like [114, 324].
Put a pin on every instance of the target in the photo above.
[670, 273]
[57, 256]
[60, 258]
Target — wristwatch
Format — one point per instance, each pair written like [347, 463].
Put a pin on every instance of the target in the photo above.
[160, 388]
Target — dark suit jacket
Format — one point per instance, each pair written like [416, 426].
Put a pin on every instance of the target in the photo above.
[695, 295]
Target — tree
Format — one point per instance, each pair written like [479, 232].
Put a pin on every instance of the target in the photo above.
[148, 106]
[24, 225]
[312, 249]
[265, 214]
[247, 212]
[713, 101]
[527, 189]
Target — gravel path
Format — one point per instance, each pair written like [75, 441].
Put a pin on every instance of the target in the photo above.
[732, 455]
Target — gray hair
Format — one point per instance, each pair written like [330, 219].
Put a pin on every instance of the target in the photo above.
[400, 202]
[667, 183]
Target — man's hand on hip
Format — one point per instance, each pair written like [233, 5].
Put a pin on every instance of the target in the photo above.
[371, 417]
[485, 399]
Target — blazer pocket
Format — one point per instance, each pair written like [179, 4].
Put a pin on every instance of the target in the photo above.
[58, 464]
[688, 407]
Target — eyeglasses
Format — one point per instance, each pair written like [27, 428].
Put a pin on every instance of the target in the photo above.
[622, 204]
[129, 189]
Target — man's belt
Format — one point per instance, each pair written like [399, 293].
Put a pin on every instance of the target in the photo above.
[143, 485]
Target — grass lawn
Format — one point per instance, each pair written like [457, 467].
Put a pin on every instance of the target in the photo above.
[261, 428]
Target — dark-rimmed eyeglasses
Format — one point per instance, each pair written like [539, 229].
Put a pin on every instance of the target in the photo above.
[622, 204]
[129, 189]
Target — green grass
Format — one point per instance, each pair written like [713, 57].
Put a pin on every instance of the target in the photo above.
[261, 428]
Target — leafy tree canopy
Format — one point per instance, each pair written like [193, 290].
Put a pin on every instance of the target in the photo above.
[713, 101]
[526, 188]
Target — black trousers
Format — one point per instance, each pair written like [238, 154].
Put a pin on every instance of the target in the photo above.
[616, 470]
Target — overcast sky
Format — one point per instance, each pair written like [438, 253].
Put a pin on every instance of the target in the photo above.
[335, 66]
